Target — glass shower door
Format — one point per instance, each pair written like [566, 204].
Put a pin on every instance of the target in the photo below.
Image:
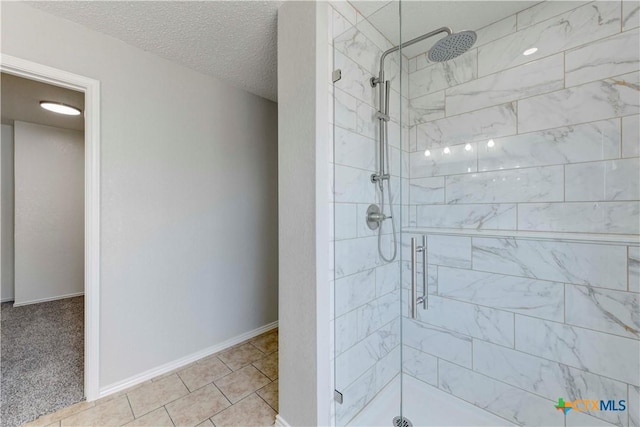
[524, 176]
[367, 193]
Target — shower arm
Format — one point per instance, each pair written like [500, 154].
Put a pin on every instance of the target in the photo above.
[375, 81]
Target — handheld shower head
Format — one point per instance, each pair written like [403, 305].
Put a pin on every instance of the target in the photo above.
[452, 46]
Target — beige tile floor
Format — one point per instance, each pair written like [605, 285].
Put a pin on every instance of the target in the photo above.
[237, 387]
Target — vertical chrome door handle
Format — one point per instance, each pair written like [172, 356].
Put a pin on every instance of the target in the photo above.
[414, 299]
[413, 307]
[425, 293]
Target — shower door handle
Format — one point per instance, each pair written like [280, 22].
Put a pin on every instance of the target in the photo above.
[414, 298]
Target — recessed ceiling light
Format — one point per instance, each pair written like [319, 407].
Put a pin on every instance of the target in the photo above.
[468, 147]
[491, 143]
[446, 150]
[427, 153]
[530, 51]
[60, 108]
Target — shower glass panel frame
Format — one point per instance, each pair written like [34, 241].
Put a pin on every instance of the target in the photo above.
[367, 290]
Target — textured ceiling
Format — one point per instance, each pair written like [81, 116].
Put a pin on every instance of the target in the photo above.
[232, 40]
[21, 101]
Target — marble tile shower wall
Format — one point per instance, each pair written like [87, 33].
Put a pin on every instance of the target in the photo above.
[547, 143]
[366, 290]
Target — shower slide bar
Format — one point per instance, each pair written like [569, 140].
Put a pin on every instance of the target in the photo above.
[415, 300]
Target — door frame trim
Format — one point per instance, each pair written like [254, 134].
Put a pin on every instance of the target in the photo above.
[91, 89]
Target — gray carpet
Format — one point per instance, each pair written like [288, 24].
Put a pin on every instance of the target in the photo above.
[42, 359]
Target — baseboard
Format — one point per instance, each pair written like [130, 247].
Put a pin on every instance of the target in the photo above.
[280, 422]
[36, 301]
[183, 361]
[7, 299]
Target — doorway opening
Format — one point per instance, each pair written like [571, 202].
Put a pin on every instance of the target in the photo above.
[50, 282]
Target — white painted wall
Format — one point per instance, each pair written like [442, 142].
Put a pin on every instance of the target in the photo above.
[6, 213]
[189, 196]
[49, 213]
[303, 147]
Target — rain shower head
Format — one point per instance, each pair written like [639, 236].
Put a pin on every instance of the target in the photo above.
[452, 46]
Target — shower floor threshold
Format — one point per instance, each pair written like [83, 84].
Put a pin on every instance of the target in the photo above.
[627, 239]
[424, 405]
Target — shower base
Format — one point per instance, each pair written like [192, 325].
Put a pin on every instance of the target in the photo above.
[424, 405]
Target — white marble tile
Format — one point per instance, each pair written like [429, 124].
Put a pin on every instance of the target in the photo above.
[354, 291]
[368, 8]
[572, 144]
[631, 136]
[387, 278]
[359, 48]
[356, 397]
[508, 186]
[339, 24]
[366, 124]
[420, 365]
[362, 356]
[469, 319]
[501, 399]
[426, 108]
[480, 125]
[584, 419]
[496, 30]
[345, 332]
[426, 190]
[412, 65]
[630, 14]
[377, 313]
[479, 217]
[546, 378]
[528, 296]
[578, 263]
[533, 78]
[344, 109]
[422, 61]
[581, 217]
[580, 104]
[373, 34]
[353, 185]
[345, 9]
[599, 353]
[605, 180]
[603, 310]
[398, 162]
[574, 28]
[438, 342]
[443, 161]
[634, 406]
[356, 255]
[634, 268]
[344, 218]
[613, 56]
[451, 251]
[545, 10]
[441, 75]
[355, 150]
[355, 78]
[388, 367]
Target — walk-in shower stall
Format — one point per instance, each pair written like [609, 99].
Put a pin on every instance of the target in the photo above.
[486, 211]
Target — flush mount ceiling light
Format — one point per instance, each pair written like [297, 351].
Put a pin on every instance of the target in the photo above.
[60, 108]
[530, 51]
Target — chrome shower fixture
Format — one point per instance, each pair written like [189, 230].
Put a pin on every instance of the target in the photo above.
[449, 47]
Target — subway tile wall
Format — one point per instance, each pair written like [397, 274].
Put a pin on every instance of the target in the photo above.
[548, 143]
[366, 289]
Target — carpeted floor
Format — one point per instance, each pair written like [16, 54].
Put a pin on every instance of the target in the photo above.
[42, 359]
